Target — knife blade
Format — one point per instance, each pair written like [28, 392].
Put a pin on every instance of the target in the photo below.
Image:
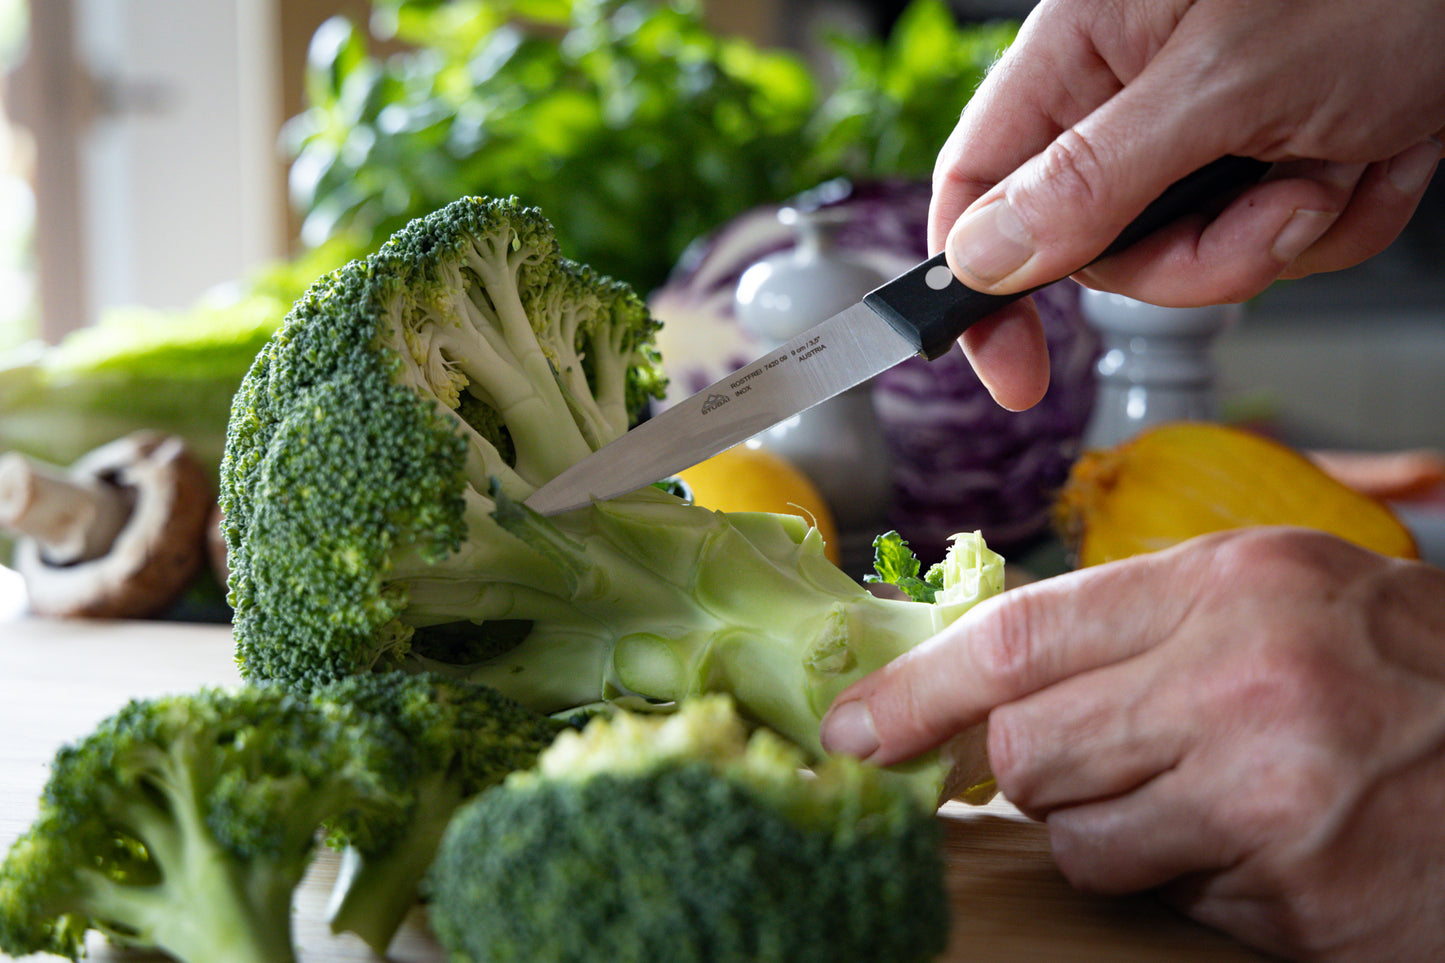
[921, 312]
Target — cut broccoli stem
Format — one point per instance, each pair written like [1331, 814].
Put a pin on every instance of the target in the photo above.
[649, 597]
[702, 608]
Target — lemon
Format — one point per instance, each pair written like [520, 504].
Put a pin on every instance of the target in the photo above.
[749, 479]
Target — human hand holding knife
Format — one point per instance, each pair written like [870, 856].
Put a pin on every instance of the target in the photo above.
[921, 312]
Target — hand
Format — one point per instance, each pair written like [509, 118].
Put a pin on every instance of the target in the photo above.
[1252, 722]
[1099, 105]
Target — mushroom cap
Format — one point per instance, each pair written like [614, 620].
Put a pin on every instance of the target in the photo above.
[156, 553]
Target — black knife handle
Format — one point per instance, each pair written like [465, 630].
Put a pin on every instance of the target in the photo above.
[930, 307]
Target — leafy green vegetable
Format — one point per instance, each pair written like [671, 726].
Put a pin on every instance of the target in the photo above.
[137, 368]
[895, 564]
[632, 123]
[898, 98]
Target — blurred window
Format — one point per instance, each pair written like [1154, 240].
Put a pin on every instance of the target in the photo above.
[17, 200]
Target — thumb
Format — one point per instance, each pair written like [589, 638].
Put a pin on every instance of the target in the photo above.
[1061, 208]
[1050, 218]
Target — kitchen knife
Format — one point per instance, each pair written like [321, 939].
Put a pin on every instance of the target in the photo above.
[919, 313]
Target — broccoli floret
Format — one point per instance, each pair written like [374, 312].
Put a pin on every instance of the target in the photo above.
[463, 738]
[185, 823]
[378, 456]
[681, 838]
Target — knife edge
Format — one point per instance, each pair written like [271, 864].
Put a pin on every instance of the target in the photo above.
[844, 351]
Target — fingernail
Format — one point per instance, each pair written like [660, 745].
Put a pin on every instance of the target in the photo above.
[990, 243]
[1301, 230]
[1410, 169]
[848, 729]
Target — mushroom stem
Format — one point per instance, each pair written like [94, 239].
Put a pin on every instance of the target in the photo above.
[71, 519]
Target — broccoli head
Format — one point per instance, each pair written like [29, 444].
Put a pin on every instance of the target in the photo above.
[681, 838]
[379, 454]
[185, 823]
[365, 438]
[461, 739]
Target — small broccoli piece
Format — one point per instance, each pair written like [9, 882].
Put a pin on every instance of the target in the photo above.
[379, 454]
[895, 564]
[462, 739]
[681, 838]
[184, 824]
[967, 573]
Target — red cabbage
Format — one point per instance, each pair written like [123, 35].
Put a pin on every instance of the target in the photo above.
[960, 462]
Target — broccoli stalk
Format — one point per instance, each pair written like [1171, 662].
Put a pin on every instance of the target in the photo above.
[374, 891]
[185, 823]
[670, 601]
[377, 456]
[460, 740]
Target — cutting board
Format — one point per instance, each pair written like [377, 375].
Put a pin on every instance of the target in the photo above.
[59, 678]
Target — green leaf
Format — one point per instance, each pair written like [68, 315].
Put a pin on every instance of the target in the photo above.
[629, 121]
[895, 564]
[336, 50]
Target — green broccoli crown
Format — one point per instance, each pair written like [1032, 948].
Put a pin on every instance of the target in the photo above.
[471, 733]
[184, 823]
[364, 438]
[680, 838]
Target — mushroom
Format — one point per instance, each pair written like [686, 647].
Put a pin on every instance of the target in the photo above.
[216, 549]
[120, 534]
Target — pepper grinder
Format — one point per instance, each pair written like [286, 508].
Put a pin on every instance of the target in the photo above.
[837, 444]
[1157, 364]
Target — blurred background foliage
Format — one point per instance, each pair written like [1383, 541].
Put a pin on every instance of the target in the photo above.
[630, 124]
[635, 128]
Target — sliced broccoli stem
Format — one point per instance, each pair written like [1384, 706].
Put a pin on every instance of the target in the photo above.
[753, 616]
[784, 671]
[562, 664]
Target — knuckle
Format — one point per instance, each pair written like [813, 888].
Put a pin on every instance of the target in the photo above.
[1277, 558]
[1283, 819]
[1007, 751]
[1004, 652]
[1089, 856]
[1071, 174]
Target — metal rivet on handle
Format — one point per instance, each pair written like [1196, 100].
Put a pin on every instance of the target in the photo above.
[938, 277]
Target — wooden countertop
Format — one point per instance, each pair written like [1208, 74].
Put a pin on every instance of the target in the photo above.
[58, 679]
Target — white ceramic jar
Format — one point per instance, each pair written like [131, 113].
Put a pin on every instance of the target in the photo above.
[1157, 364]
[837, 444]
